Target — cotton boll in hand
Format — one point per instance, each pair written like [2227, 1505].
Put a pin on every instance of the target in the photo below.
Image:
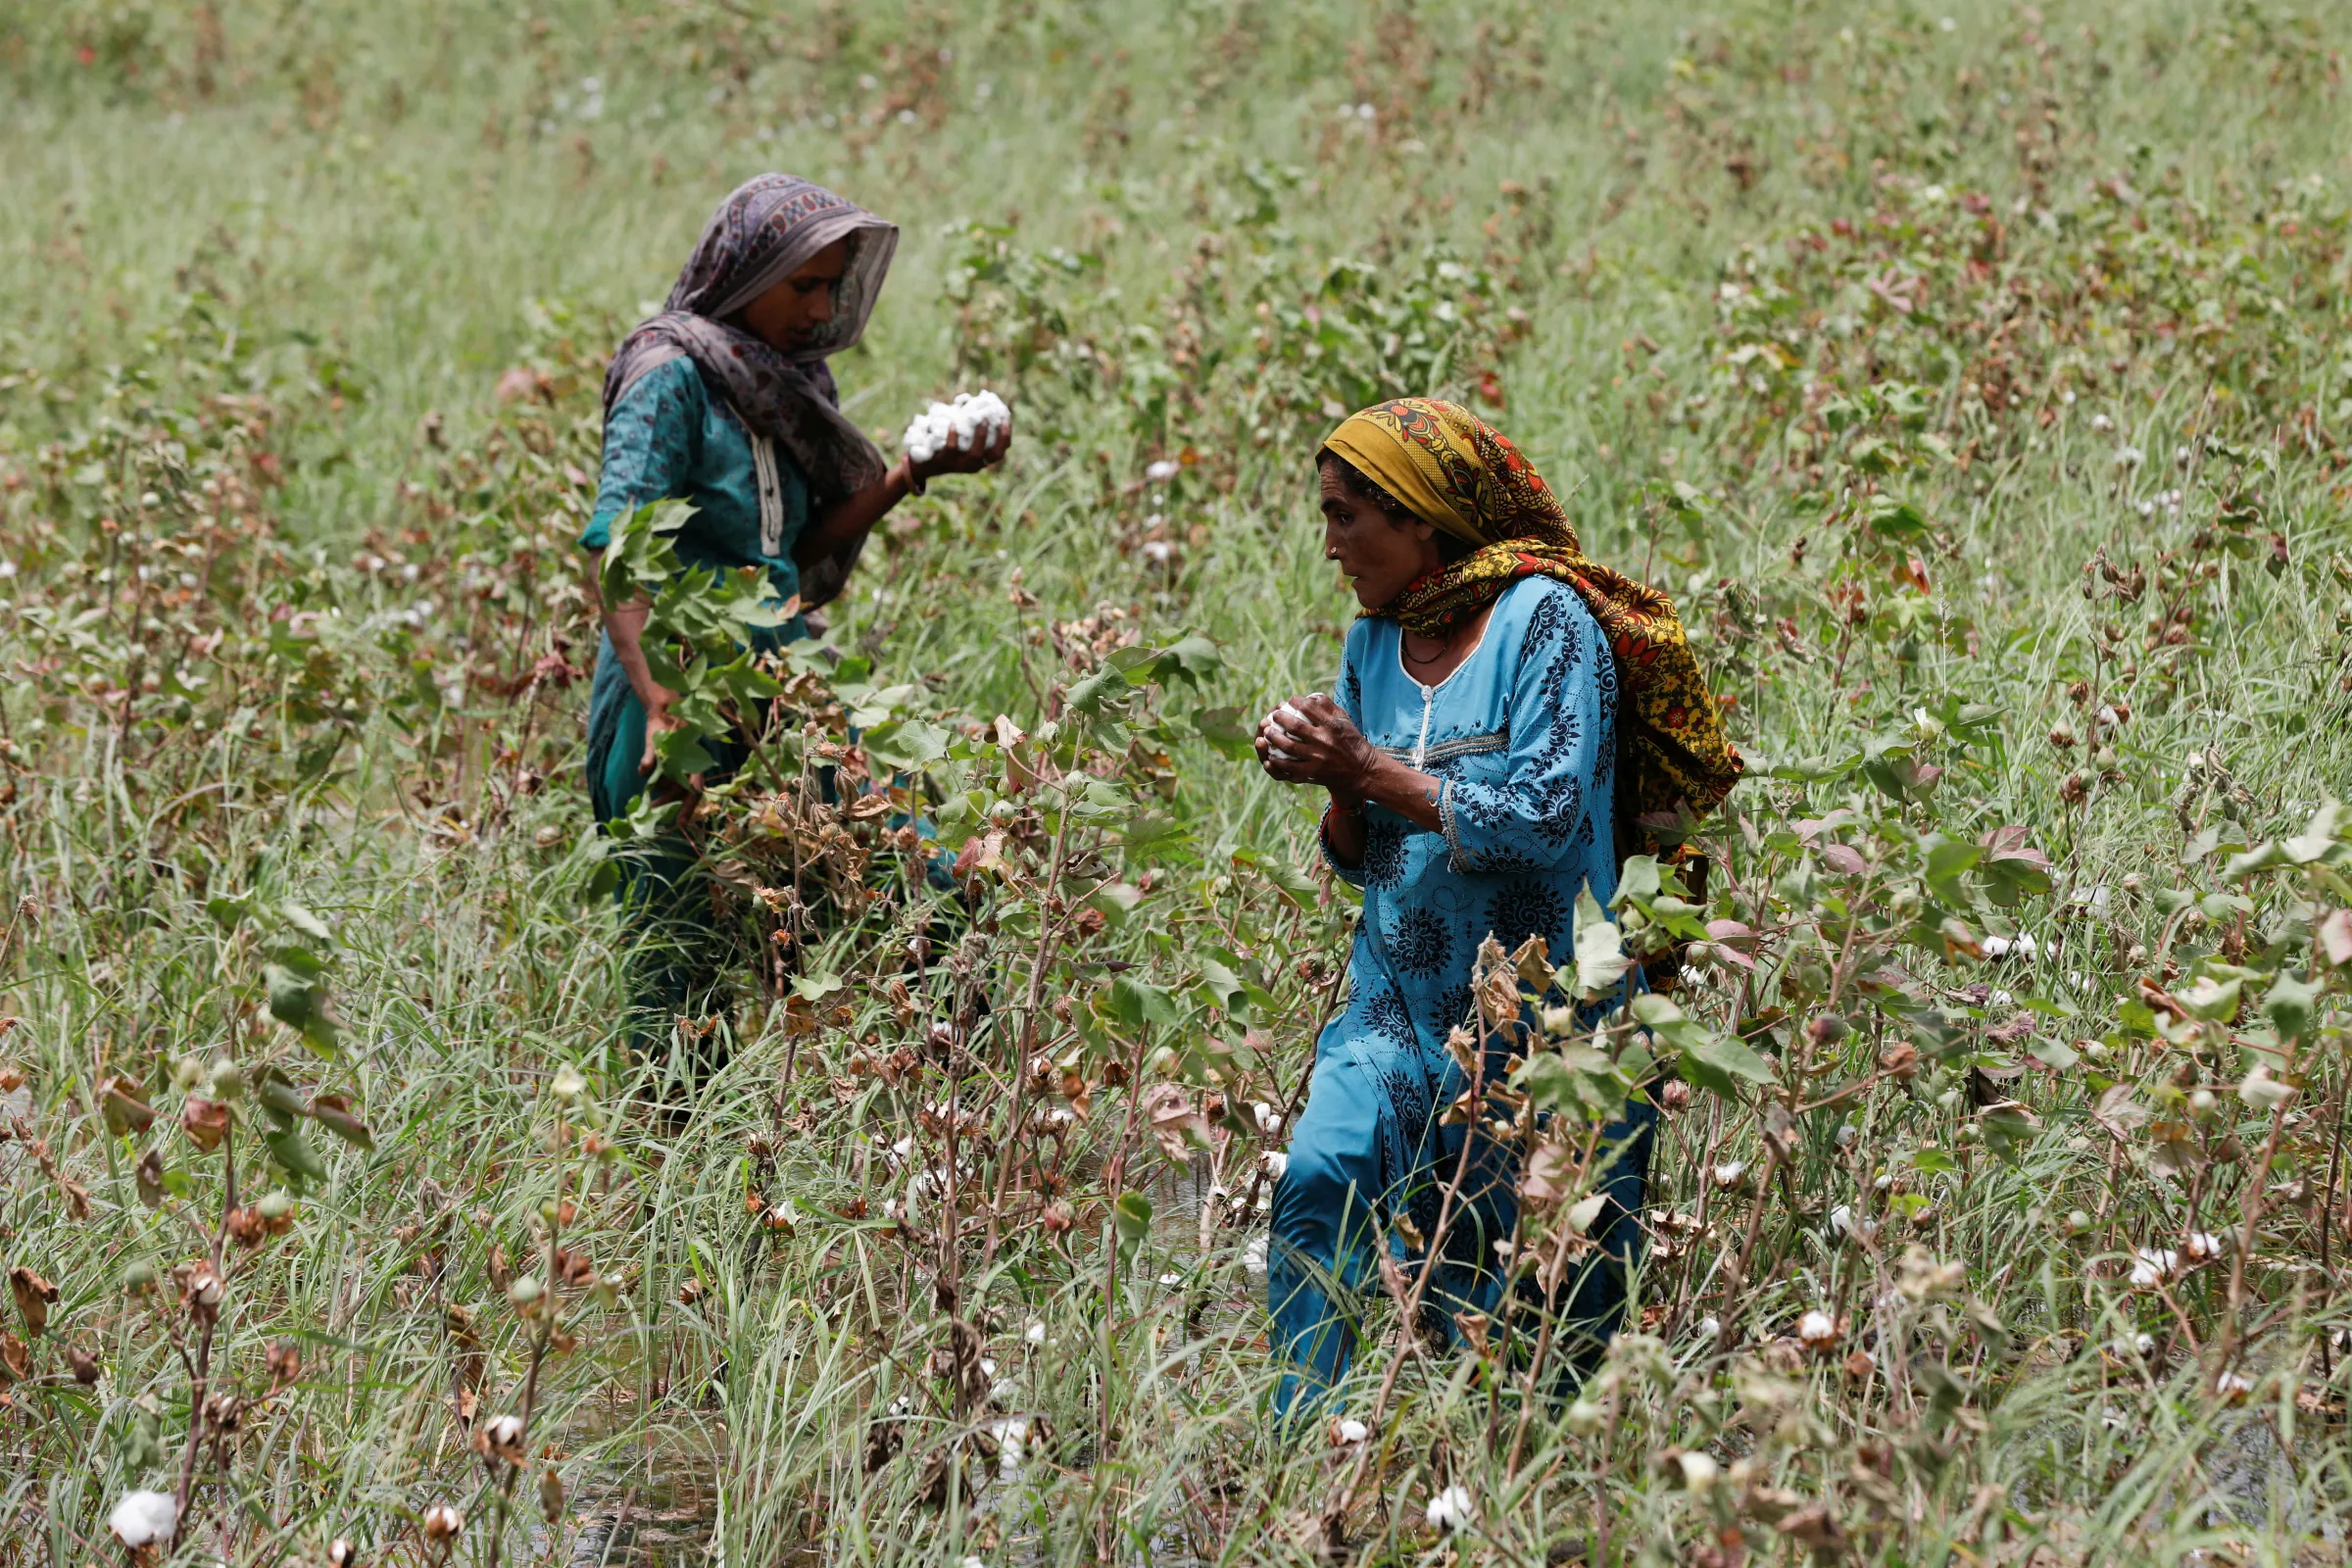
[975, 419]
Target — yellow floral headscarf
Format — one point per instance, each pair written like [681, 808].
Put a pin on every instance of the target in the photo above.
[1459, 473]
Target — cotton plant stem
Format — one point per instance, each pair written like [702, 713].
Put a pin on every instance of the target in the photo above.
[1048, 930]
[200, 1375]
[2253, 1204]
[1410, 1308]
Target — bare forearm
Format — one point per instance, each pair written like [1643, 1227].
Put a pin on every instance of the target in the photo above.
[1410, 793]
[625, 625]
[851, 518]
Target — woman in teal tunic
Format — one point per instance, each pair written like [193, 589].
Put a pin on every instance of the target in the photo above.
[724, 400]
[1496, 699]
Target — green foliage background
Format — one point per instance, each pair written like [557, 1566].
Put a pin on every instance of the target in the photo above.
[1873, 332]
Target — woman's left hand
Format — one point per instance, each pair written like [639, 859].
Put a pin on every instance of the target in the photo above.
[1308, 740]
[950, 459]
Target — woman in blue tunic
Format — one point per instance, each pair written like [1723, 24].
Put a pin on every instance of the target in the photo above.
[724, 400]
[1497, 696]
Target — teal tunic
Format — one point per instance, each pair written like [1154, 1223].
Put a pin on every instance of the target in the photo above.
[669, 439]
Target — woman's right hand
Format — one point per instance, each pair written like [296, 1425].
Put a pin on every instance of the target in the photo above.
[1308, 740]
[953, 459]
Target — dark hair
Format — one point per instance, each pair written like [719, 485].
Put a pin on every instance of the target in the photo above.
[1363, 487]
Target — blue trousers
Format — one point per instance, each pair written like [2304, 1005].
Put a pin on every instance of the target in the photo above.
[1353, 1167]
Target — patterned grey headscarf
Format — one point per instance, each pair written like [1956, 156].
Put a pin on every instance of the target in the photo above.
[768, 229]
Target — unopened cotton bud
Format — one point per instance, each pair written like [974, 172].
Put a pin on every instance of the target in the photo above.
[1585, 1418]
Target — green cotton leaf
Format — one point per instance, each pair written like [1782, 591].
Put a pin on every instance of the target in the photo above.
[333, 1113]
[2318, 838]
[230, 911]
[816, 987]
[294, 1154]
[1227, 729]
[1223, 985]
[1601, 959]
[1135, 1004]
[1192, 656]
[746, 683]
[297, 1001]
[1105, 688]
[1708, 1060]
[2289, 1006]
[1131, 1215]
[1947, 860]
[872, 706]
[2262, 858]
[682, 753]
[1297, 888]
[1116, 900]
[318, 759]
[2008, 1129]
[1897, 521]
[1636, 882]
[2055, 1054]
[603, 880]
[1935, 1161]
[303, 921]
[1817, 769]
[905, 745]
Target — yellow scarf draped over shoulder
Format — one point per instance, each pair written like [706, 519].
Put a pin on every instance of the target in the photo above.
[1459, 473]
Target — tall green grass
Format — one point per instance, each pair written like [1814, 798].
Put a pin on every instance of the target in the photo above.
[366, 216]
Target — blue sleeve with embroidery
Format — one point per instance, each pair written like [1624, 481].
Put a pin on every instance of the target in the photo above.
[1350, 700]
[651, 443]
[1537, 816]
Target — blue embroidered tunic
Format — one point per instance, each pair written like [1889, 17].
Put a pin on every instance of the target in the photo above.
[669, 439]
[1522, 739]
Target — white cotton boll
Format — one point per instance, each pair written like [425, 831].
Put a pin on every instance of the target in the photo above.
[1816, 1329]
[1996, 947]
[1710, 1327]
[975, 419]
[1699, 1471]
[143, 1519]
[1452, 1510]
[1254, 1255]
[1156, 552]
[1277, 1163]
[2152, 1265]
[1159, 472]
[2203, 1244]
[1035, 1333]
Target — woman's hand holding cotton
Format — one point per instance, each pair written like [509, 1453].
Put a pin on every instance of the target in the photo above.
[1308, 740]
[959, 437]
